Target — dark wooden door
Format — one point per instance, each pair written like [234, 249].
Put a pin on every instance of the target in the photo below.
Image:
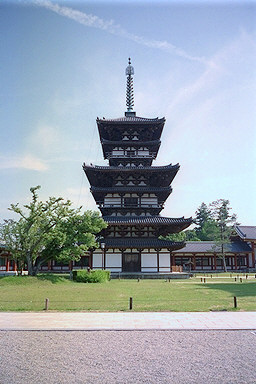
[131, 262]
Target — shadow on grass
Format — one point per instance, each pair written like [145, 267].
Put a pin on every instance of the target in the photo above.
[54, 279]
[235, 289]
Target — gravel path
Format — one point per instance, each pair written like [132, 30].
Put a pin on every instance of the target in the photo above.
[56, 357]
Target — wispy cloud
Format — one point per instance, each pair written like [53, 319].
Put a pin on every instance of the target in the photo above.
[110, 26]
[23, 162]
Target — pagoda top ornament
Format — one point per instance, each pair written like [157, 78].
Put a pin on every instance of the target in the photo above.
[129, 89]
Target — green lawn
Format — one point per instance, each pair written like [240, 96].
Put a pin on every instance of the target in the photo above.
[25, 293]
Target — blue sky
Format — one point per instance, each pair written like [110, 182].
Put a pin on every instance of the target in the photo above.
[63, 64]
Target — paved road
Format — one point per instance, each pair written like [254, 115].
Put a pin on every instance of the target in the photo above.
[126, 320]
[130, 357]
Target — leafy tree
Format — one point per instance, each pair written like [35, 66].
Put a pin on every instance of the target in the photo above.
[191, 235]
[181, 236]
[225, 222]
[49, 230]
[203, 216]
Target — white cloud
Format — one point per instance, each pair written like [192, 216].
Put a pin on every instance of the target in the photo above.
[45, 136]
[109, 26]
[23, 162]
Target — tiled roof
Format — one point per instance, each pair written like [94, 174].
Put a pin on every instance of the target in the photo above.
[146, 220]
[130, 142]
[129, 169]
[131, 189]
[132, 119]
[246, 232]
[208, 247]
[141, 243]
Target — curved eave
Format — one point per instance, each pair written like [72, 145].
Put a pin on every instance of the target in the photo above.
[109, 169]
[131, 120]
[141, 243]
[151, 220]
[136, 123]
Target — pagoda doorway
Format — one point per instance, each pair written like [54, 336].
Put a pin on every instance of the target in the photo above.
[131, 262]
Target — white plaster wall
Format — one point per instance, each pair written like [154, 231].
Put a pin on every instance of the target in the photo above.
[164, 262]
[97, 261]
[113, 260]
[148, 260]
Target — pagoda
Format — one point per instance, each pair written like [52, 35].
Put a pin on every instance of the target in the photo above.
[131, 193]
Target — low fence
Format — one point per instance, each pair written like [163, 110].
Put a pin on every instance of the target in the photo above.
[132, 303]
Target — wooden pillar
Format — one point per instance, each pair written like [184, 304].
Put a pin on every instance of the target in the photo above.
[194, 262]
[104, 258]
[49, 265]
[157, 260]
[253, 254]
[247, 260]
[71, 265]
[7, 264]
[215, 262]
[173, 259]
[14, 266]
[235, 261]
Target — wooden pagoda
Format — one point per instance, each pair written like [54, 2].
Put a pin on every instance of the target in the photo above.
[131, 193]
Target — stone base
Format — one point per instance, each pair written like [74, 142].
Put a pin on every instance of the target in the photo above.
[150, 275]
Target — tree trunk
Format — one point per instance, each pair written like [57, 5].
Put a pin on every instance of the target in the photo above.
[224, 263]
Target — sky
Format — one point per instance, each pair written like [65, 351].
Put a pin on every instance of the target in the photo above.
[63, 65]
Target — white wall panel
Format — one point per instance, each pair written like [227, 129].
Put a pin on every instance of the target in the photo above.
[164, 262]
[113, 260]
[97, 260]
[148, 260]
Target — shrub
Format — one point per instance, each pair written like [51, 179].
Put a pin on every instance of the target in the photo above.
[98, 276]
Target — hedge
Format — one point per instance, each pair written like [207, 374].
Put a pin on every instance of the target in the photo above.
[97, 276]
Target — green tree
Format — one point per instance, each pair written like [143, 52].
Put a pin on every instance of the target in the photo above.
[49, 230]
[225, 221]
[203, 216]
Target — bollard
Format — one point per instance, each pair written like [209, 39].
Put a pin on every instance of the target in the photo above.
[235, 278]
[201, 279]
[230, 275]
[169, 280]
[46, 304]
[130, 303]
[211, 276]
[246, 277]
[241, 280]
[235, 302]
[204, 280]
[138, 279]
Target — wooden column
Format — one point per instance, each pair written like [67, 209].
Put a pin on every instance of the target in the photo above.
[49, 265]
[194, 262]
[172, 259]
[247, 260]
[7, 264]
[157, 259]
[253, 254]
[235, 261]
[14, 266]
[104, 258]
[215, 262]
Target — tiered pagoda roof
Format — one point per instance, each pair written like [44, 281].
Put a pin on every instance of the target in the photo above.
[130, 192]
[105, 176]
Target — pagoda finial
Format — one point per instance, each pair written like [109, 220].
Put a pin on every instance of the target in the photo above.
[129, 87]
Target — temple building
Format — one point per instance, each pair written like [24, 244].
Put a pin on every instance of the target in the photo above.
[131, 193]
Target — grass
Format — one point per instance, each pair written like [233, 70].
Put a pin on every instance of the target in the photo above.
[26, 293]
